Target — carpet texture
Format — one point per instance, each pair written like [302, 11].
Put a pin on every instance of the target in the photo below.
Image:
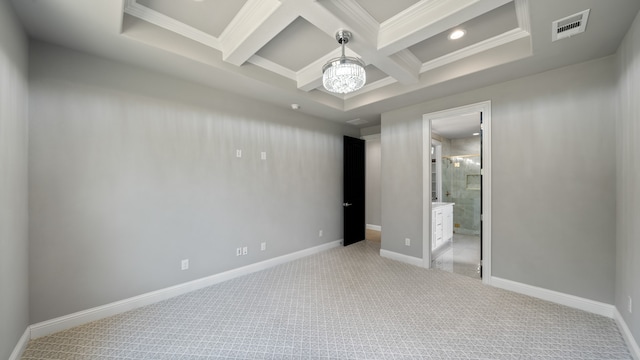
[345, 303]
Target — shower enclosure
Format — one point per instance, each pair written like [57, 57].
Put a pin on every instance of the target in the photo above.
[461, 185]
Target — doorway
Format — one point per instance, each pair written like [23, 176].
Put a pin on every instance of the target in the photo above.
[373, 210]
[353, 190]
[457, 211]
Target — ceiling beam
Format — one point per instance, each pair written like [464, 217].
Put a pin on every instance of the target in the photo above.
[523, 15]
[132, 8]
[428, 18]
[254, 26]
[310, 77]
[474, 49]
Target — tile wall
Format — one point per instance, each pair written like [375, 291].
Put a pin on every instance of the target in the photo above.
[461, 183]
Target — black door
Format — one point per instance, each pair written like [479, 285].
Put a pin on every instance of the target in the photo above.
[353, 204]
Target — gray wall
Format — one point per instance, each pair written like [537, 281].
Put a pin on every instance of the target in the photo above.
[371, 130]
[553, 171]
[373, 214]
[14, 315]
[628, 179]
[401, 181]
[132, 171]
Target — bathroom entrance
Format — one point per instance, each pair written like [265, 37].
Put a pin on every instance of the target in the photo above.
[456, 179]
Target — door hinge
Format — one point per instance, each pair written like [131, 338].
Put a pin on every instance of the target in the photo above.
[481, 171]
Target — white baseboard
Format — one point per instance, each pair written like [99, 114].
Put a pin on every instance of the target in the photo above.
[374, 227]
[401, 257]
[21, 345]
[575, 302]
[82, 317]
[626, 334]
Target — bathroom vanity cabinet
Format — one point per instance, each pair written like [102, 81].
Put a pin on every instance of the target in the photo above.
[441, 223]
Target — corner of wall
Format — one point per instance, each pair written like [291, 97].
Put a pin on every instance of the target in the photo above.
[627, 287]
[21, 345]
[14, 306]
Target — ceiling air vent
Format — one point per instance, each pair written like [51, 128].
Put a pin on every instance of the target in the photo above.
[569, 26]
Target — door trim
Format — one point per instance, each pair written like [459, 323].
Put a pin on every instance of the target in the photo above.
[485, 108]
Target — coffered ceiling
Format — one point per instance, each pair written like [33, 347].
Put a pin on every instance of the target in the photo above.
[274, 50]
[402, 42]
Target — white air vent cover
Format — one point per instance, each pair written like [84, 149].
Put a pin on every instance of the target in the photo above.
[569, 26]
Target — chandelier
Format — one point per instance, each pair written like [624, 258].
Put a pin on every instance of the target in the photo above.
[343, 74]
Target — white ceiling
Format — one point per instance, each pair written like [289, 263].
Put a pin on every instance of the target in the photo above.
[458, 127]
[273, 50]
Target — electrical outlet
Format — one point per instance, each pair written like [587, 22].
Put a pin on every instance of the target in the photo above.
[238, 153]
[238, 251]
[407, 242]
[184, 265]
[245, 250]
[263, 155]
[263, 246]
[320, 233]
[630, 305]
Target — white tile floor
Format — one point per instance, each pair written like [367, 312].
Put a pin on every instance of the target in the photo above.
[345, 303]
[460, 256]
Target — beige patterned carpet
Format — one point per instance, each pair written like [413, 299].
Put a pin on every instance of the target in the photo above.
[345, 303]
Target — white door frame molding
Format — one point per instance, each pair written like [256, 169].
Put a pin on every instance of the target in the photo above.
[485, 108]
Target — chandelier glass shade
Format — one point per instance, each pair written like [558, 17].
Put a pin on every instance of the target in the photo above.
[343, 74]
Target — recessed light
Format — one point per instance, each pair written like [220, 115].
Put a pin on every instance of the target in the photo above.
[457, 34]
[475, 134]
[295, 106]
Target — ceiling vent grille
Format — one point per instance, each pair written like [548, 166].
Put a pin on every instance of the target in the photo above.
[569, 26]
